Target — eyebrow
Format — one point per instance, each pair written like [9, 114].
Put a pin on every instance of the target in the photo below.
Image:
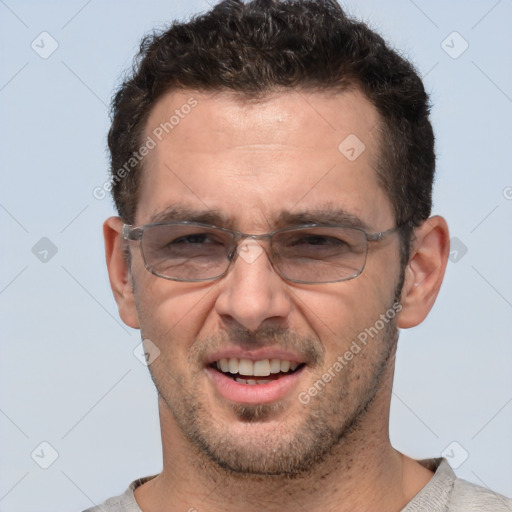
[284, 219]
[322, 216]
[182, 213]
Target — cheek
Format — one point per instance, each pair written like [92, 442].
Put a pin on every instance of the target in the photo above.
[170, 311]
[339, 313]
[333, 316]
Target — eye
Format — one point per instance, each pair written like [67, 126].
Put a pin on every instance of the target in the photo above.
[319, 240]
[191, 245]
[196, 238]
[202, 241]
[318, 243]
[177, 244]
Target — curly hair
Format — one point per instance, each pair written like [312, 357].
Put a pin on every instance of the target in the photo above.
[261, 46]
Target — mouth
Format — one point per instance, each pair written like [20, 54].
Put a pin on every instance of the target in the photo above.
[249, 381]
[263, 371]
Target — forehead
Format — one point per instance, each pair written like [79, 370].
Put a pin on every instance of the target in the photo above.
[252, 160]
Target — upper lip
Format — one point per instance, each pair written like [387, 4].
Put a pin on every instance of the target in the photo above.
[254, 355]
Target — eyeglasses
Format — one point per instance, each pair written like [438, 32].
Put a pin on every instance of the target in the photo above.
[308, 254]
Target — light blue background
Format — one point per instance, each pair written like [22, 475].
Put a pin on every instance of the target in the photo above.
[68, 375]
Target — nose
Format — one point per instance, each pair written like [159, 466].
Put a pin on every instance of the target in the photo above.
[252, 293]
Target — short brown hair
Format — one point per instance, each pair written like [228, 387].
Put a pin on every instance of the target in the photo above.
[264, 45]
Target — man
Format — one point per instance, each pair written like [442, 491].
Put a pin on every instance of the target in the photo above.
[272, 166]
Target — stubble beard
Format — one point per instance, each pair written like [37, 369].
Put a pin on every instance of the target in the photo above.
[331, 418]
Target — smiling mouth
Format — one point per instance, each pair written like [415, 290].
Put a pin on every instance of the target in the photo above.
[263, 371]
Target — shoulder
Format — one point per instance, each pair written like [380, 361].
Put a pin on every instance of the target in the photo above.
[125, 502]
[447, 493]
[466, 496]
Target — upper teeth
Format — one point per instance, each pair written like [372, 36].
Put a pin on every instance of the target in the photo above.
[261, 368]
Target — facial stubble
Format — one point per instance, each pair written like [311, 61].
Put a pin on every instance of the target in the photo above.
[265, 442]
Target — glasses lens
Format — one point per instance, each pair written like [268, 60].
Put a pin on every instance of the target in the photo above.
[186, 252]
[320, 254]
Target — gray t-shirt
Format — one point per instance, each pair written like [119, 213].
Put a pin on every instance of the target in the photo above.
[444, 493]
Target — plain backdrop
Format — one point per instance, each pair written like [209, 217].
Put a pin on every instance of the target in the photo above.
[74, 397]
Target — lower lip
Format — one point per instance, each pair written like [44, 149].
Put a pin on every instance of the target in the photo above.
[254, 393]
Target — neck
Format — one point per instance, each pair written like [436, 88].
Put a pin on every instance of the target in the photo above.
[362, 473]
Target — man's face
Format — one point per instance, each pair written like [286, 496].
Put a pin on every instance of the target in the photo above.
[261, 166]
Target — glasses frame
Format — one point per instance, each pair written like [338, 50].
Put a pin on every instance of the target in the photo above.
[130, 233]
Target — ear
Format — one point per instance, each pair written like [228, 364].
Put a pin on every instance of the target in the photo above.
[119, 272]
[425, 271]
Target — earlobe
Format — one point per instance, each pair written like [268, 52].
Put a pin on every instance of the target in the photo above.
[425, 271]
[119, 272]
